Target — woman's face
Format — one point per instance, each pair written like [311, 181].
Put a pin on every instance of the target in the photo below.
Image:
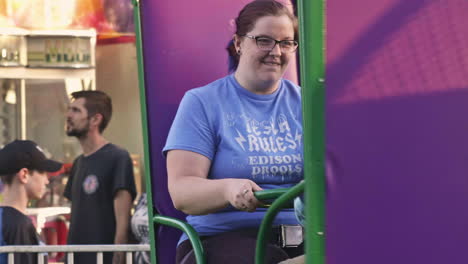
[261, 66]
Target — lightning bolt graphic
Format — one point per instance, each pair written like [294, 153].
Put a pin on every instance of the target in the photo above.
[298, 138]
[240, 139]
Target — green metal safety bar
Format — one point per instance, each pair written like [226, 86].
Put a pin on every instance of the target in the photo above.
[144, 122]
[311, 15]
[282, 201]
[157, 219]
[188, 229]
[268, 196]
[313, 98]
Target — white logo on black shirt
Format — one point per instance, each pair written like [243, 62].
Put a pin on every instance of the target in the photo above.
[90, 184]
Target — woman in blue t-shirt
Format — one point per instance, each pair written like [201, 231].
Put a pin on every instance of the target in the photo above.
[238, 135]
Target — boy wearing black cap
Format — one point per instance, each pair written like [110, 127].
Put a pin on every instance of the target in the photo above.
[23, 168]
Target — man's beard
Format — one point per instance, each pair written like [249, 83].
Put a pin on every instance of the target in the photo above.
[78, 133]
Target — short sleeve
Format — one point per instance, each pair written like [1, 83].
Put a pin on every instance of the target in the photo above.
[192, 129]
[68, 186]
[123, 178]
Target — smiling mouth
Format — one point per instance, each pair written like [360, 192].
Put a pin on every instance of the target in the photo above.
[271, 63]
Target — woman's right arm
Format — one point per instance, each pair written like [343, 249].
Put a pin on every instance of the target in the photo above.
[193, 193]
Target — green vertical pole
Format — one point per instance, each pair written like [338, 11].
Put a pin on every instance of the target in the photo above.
[144, 122]
[312, 66]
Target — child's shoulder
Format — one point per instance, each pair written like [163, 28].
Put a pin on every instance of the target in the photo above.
[12, 214]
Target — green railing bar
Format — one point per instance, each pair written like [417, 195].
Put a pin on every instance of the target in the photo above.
[312, 65]
[188, 229]
[144, 124]
[270, 194]
[265, 227]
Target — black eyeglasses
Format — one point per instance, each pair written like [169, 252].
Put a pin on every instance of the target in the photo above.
[268, 44]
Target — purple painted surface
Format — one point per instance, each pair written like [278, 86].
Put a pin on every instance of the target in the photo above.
[397, 128]
[184, 47]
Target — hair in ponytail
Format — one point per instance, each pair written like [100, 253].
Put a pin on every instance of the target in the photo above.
[233, 56]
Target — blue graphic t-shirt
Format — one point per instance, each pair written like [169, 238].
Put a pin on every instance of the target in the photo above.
[245, 135]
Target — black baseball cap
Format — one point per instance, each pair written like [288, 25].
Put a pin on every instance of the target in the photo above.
[25, 154]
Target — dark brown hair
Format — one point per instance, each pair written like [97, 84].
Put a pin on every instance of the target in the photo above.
[247, 18]
[96, 102]
[7, 179]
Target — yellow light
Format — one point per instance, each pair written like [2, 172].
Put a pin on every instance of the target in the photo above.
[41, 14]
[10, 96]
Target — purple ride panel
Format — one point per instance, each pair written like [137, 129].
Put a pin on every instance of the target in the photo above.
[397, 129]
[184, 47]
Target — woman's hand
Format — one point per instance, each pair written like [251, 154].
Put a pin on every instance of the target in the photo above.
[240, 194]
[193, 193]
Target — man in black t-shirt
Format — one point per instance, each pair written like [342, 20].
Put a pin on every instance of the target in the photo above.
[23, 168]
[101, 185]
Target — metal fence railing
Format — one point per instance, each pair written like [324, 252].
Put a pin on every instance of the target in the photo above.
[71, 249]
